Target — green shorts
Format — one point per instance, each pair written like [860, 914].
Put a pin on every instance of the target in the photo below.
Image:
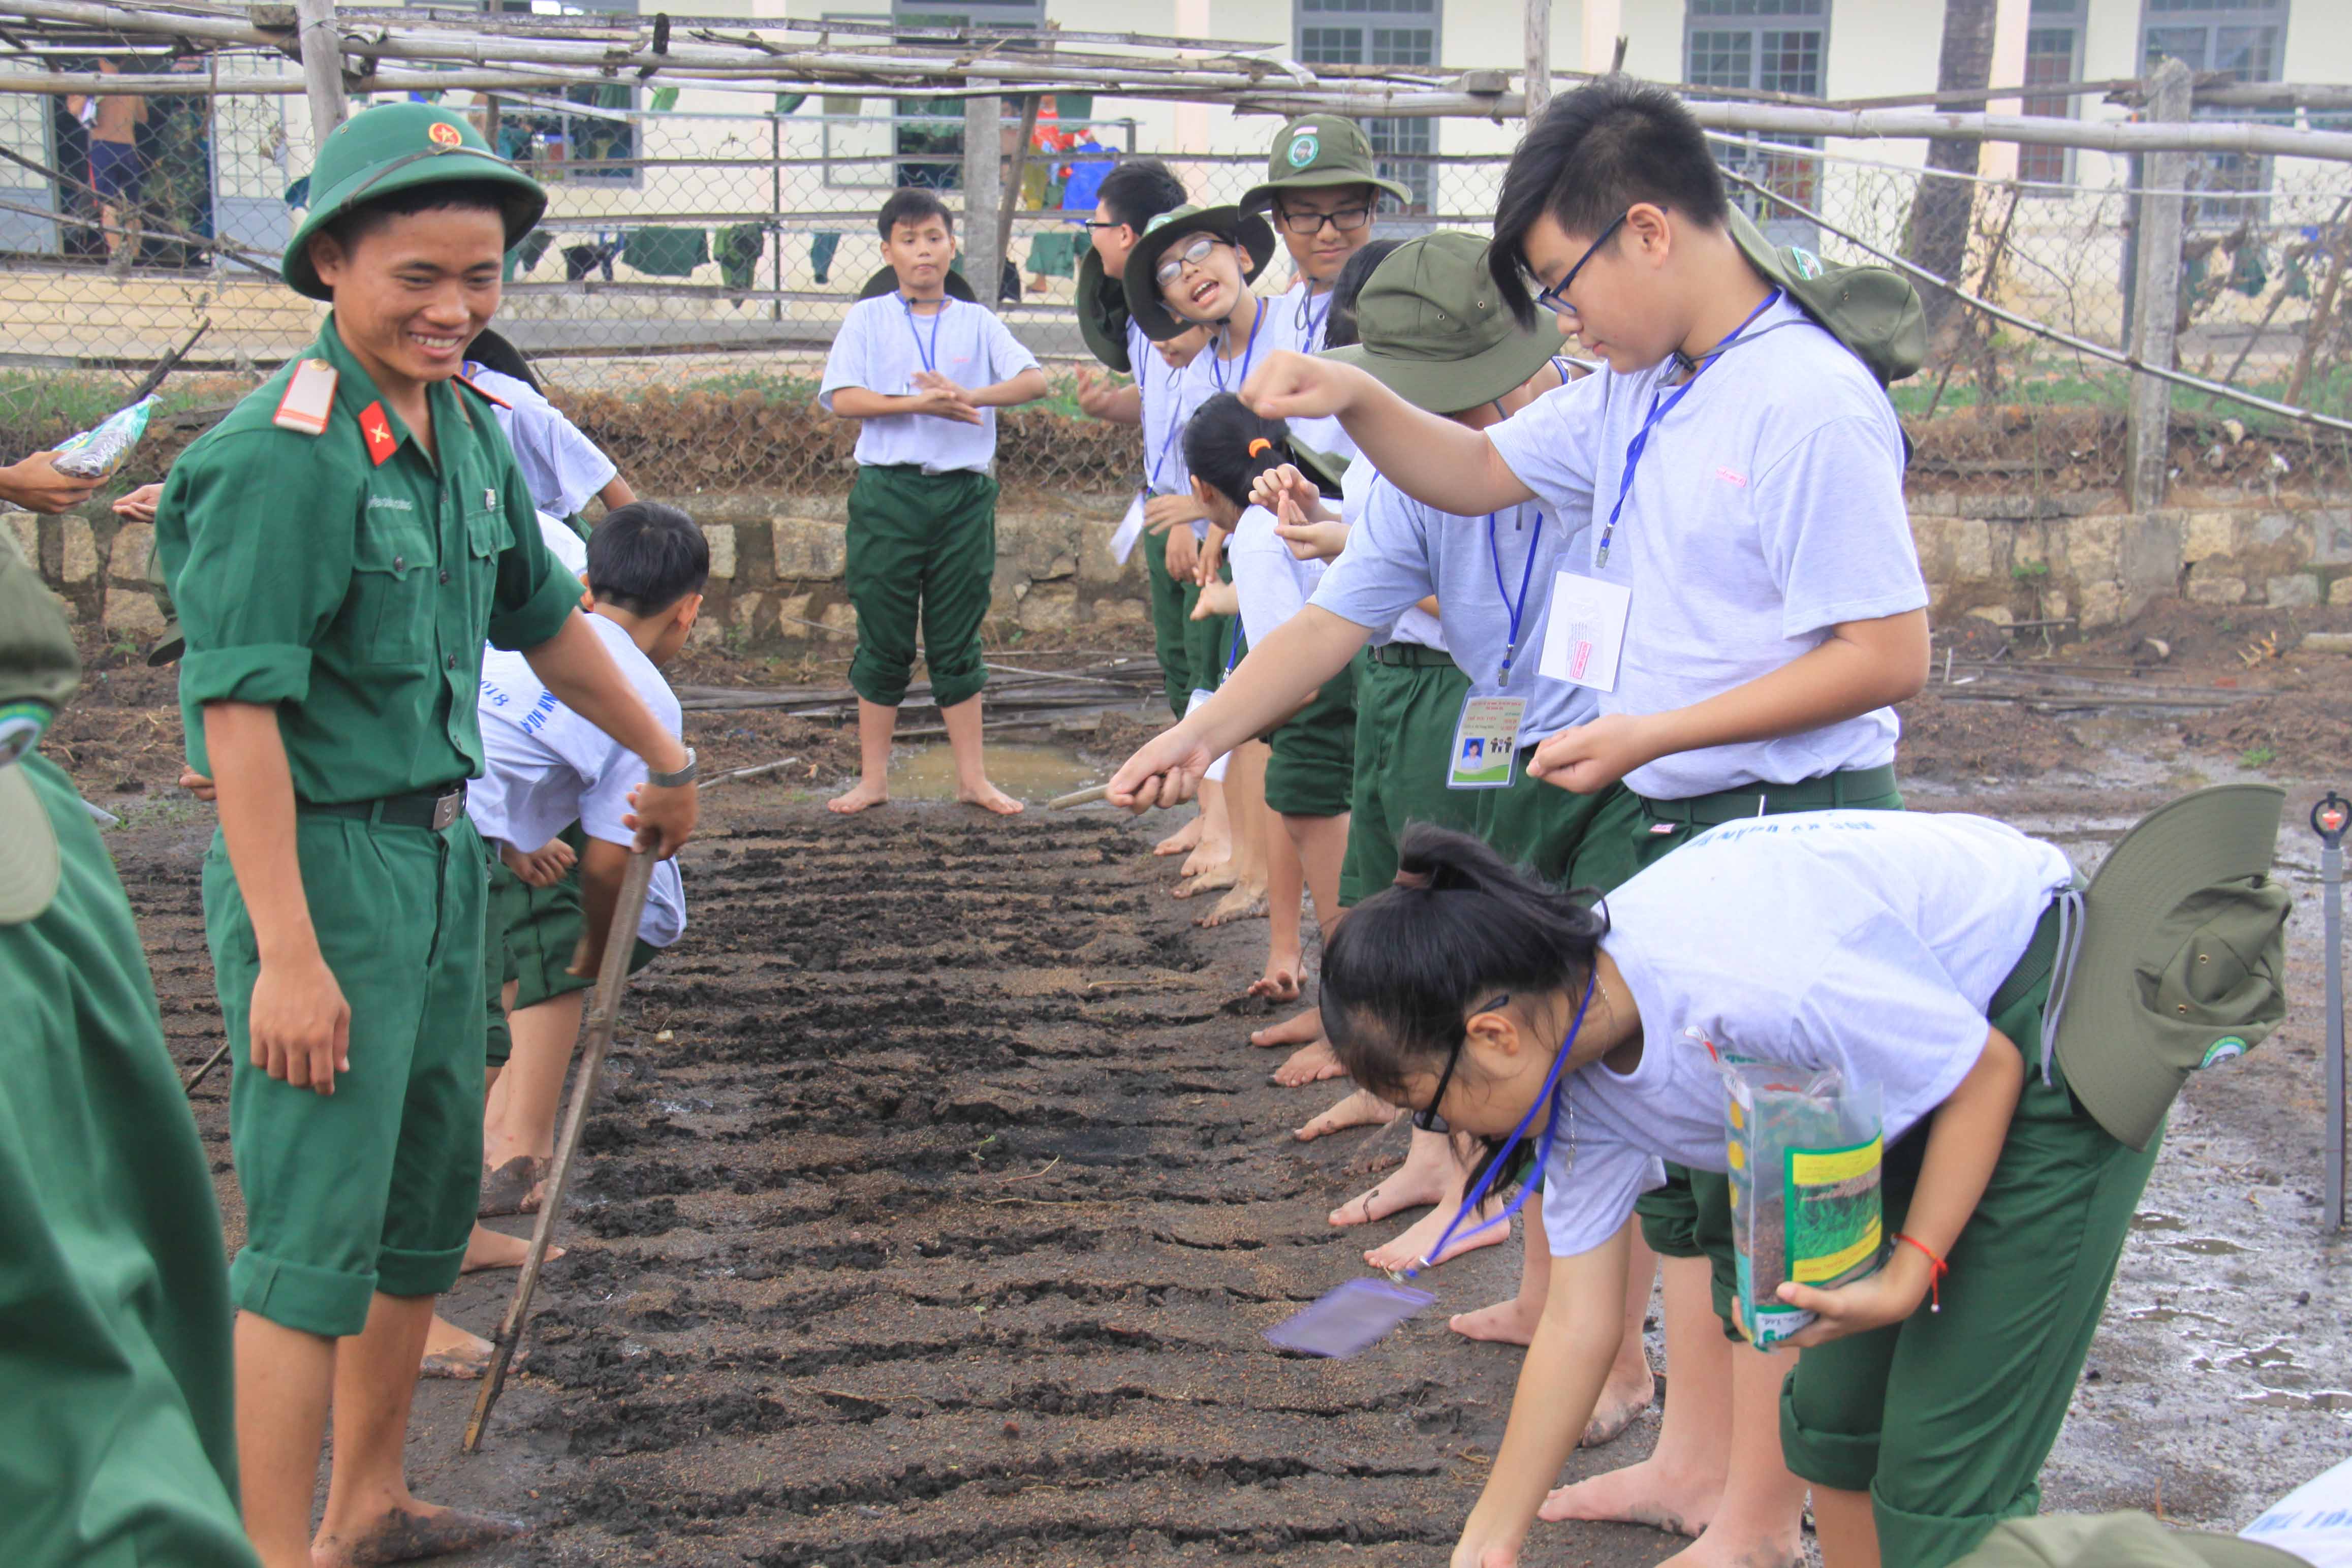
[531, 936]
[1171, 602]
[921, 549]
[374, 1186]
[1568, 840]
[1946, 1418]
[1211, 644]
[1312, 771]
[1408, 700]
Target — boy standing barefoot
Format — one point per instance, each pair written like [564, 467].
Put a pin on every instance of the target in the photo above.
[926, 375]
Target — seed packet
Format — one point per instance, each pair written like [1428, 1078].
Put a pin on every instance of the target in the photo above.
[97, 454]
[1805, 1151]
[1350, 1320]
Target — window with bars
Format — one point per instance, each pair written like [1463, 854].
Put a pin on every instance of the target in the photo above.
[2054, 54]
[1773, 46]
[2244, 40]
[1381, 33]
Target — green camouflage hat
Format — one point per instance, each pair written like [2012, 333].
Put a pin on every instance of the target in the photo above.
[1102, 313]
[2115, 1541]
[1432, 329]
[1246, 231]
[2183, 959]
[1872, 311]
[38, 670]
[397, 147]
[1315, 151]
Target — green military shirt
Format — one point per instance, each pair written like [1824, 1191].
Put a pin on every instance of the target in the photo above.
[351, 581]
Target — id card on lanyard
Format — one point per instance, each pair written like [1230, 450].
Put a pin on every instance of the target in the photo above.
[1485, 754]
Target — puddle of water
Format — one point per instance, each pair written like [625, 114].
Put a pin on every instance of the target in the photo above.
[2204, 1245]
[1027, 773]
[2174, 1314]
[2316, 1399]
[2149, 1219]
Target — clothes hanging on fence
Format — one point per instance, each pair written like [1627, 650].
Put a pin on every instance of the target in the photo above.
[667, 252]
[741, 247]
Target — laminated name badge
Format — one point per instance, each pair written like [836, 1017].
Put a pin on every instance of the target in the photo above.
[1805, 1151]
[1584, 635]
[1486, 743]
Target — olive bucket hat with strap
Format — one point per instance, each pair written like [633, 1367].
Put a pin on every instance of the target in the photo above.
[397, 147]
[955, 287]
[2180, 961]
[38, 670]
[1315, 152]
[1102, 313]
[1431, 327]
[2115, 1541]
[1872, 311]
[1247, 233]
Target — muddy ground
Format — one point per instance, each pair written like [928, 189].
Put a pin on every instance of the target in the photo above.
[936, 1203]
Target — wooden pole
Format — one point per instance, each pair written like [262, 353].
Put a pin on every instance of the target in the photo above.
[323, 66]
[1539, 78]
[984, 195]
[2156, 295]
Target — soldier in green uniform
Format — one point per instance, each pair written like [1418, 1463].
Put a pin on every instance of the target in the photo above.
[339, 548]
[115, 1322]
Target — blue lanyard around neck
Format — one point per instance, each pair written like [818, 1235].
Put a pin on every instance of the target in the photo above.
[1249, 352]
[1527, 575]
[1310, 322]
[1640, 441]
[929, 357]
[1233, 648]
[1546, 1101]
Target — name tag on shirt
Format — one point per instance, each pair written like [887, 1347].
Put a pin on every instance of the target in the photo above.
[1485, 744]
[1586, 635]
[1131, 528]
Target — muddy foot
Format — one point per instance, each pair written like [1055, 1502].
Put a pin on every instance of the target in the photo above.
[1411, 1249]
[1210, 854]
[513, 1188]
[450, 1351]
[487, 1248]
[1183, 841]
[1278, 984]
[1717, 1548]
[1640, 1494]
[1309, 1064]
[1299, 1029]
[1430, 1174]
[1240, 904]
[409, 1534]
[859, 796]
[984, 795]
[1361, 1108]
[1510, 1323]
[1217, 877]
[1623, 1398]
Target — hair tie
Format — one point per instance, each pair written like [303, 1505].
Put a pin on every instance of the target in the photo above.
[1418, 880]
[1259, 447]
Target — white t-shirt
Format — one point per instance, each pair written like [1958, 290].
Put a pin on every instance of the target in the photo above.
[546, 767]
[1304, 316]
[562, 467]
[1272, 584]
[1871, 941]
[1416, 625]
[883, 342]
[564, 545]
[1161, 389]
[1767, 508]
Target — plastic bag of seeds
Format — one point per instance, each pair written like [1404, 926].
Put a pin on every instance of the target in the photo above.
[1805, 1150]
[97, 454]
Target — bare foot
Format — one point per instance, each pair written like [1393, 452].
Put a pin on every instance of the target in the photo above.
[1645, 1493]
[1361, 1108]
[1430, 1174]
[487, 1248]
[451, 1352]
[1240, 904]
[1309, 1064]
[1209, 856]
[412, 1534]
[1183, 841]
[1508, 1322]
[984, 794]
[513, 1186]
[1280, 981]
[1623, 1398]
[1216, 877]
[1299, 1029]
[861, 795]
[1411, 1248]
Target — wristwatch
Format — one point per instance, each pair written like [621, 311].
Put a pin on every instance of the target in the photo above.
[683, 776]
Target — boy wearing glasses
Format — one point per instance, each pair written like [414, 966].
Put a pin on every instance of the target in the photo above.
[1321, 191]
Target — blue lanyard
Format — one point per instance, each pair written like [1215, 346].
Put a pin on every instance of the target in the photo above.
[1217, 361]
[1151, 479]
[1233, 648]
[1546, 1101]
[930, 356]
[1527, 575]
[1308, 319]
[1641, 442]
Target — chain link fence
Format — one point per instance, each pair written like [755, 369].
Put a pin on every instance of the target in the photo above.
[679, 295]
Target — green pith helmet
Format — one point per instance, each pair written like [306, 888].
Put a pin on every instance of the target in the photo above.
[1313, 153]
[1246, 232]
[1432, 327]
[1102, 313]
[398, 147]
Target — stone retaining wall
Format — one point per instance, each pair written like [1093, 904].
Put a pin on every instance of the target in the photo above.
[776, 562]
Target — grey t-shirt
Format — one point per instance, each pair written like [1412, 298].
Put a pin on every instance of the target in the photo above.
[1401, 551]
[1767, 508]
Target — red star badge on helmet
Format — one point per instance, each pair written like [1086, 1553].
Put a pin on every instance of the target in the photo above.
[444, 134]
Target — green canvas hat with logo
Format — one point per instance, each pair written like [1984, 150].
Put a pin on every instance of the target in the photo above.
[1313, 153]
[2115, 1541]
[1246, 231]
[1102, 313]
[1432, 329]
[38, 670]
[398, 147]
[1872, 311]
[2183, 963]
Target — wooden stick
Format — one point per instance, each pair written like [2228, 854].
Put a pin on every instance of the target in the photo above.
[603, 1012]
[211, 1062]
[1086, 796]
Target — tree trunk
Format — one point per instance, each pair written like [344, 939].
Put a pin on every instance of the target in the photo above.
[1941, 212]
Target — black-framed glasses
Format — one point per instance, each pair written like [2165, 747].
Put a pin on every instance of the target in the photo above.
[1347, 220]
[1193, 254]
[1090, 223]
[1555, 299]
[1427, 1120]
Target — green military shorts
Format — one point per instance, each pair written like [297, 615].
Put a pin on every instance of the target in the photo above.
[1312, 771]
[921, 549]
[1572, 840]
[374, 1186]
[1171, 602]
[529, 938]
[1945, 1419]
[1209, 644]
[1408, 699]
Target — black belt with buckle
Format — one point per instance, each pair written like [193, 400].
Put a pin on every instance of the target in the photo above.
[428, 808]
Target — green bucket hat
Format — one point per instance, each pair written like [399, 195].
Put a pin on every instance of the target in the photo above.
[1430, 328]
[887, 282]
[1872, 311]
[2115, 1541]
[2183, 956]
[398, 147]
[1315, 151]
[38, 670]
[1323, 469]
[1102, 313]
[1246, 231]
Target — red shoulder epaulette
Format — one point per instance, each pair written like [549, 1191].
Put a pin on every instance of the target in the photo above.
[486, 397]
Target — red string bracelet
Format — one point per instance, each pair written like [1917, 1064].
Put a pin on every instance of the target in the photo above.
[1936, 1269]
